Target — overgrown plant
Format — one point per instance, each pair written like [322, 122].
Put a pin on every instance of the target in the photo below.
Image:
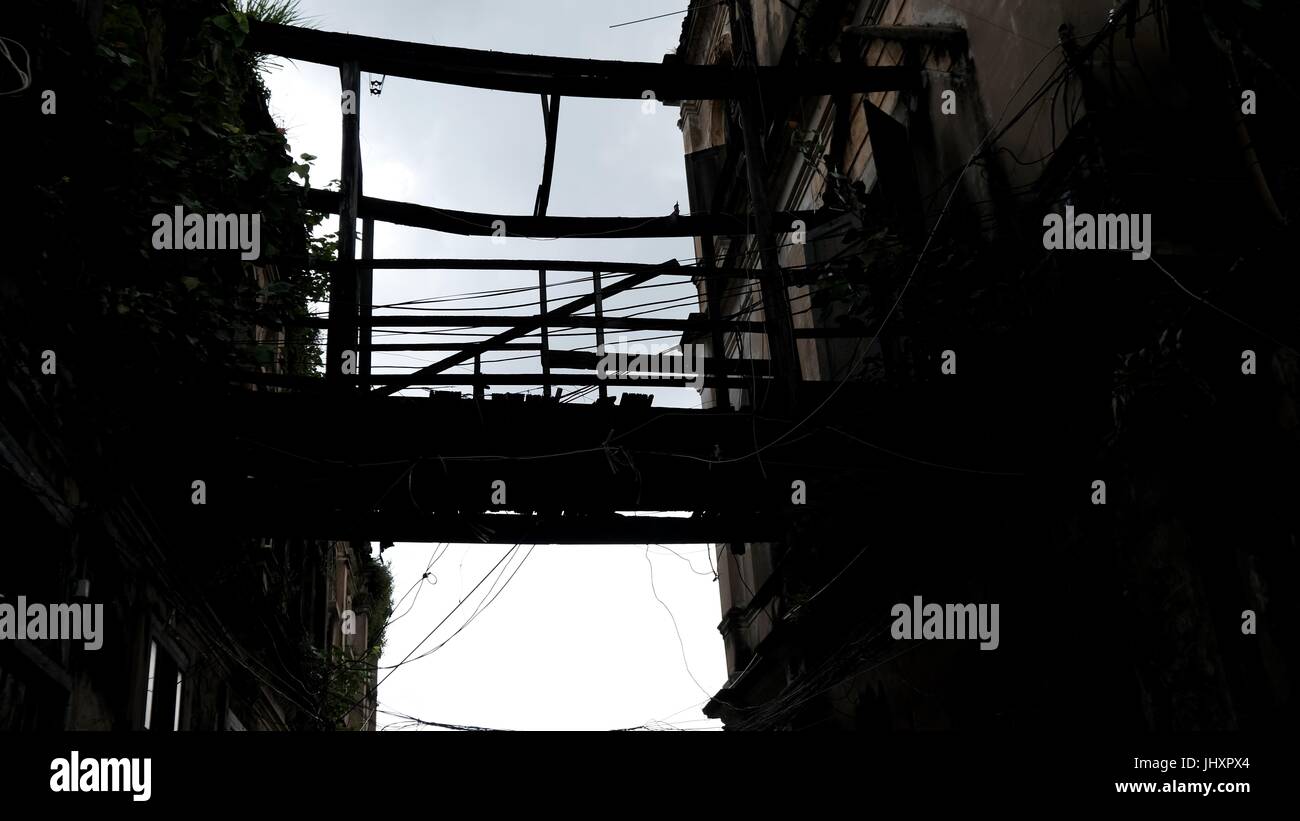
[278, 12]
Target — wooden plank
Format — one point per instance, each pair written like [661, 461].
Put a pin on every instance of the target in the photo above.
[717, 345]
[551, 113]
[505, 528]
[452, 346]
[403, 380]
[569, 321]
[366, 297]
[343, 278]
[599, 307]
[568, 265]
[398, 381]
[476, 224]
[606, 323]
[567, 76]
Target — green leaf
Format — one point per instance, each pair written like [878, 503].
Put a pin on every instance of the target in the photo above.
[235, 23]
[148, 109]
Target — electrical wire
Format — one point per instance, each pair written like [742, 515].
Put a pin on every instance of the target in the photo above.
[24, 77]
[676, 630]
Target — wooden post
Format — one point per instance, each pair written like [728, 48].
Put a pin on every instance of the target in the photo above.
[600, 328]
[550, 123]
[343, 280]
[546, 341]
[366, 288]
[713, 294]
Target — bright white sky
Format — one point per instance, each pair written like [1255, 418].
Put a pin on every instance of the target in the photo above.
[577, 640]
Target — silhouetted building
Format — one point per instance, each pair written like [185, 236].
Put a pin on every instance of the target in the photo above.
[1011, 370]
[114, 351]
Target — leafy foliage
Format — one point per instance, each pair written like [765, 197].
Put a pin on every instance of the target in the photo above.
[179, 119]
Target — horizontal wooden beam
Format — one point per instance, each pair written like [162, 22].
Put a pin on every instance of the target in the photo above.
[533, 74]
[562, 265]
[417, 379]
[475, 224]
[454, 346]
[505, 528]
[426, 468]
[572, 321]
[606, 322]
[436, 458]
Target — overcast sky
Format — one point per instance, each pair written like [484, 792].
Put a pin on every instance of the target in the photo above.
[577, 640]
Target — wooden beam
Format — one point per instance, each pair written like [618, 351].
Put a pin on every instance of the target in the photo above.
[472, 223]
[551, 116]
[446, 264]
[570, 77]
[544, 331]
[717, 345]
[452, 346]
[567, 321]
[505, 528]
[344, 318]
[599, 308]
[401, 380]
[607, 323]
[397, 381]
[366, 297]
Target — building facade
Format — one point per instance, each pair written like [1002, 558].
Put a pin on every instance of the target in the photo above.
[117, 358]
[947, 299]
